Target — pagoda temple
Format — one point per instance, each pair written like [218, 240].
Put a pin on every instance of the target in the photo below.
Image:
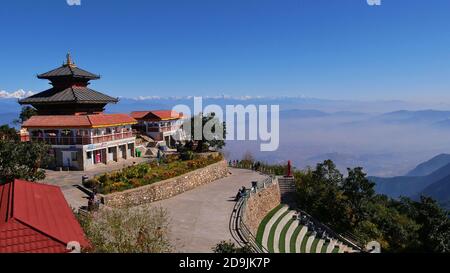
[71, 119]
[69, 94]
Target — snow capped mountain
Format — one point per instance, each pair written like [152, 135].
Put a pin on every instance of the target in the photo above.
[19, 94]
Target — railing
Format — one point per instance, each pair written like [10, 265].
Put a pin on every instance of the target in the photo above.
[112, 137]
[85, 140]
[243, 231]
[163, 129]
[248, 238]
[63, 140]
[347, 238]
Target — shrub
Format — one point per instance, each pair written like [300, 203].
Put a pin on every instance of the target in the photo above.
[229, 247]
[187, 155]
[129, 230]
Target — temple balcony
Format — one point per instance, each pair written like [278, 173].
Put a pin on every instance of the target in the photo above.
[82, 140]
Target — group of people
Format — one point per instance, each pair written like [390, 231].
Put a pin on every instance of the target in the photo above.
[317, 230]
[241, 193]
[255, 166]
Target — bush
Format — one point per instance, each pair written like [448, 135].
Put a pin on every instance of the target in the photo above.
[187, 155]
[129, 230]
[90, 183]
[229, 247]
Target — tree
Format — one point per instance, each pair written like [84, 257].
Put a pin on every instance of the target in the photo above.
[22, 160]
[127, 230]
[207, 132]
[25, 114]
[318, 191]
[350, 205]
[359, 191]
[435, 225]
[8, 133]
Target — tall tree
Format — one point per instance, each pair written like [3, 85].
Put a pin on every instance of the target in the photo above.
[207, 131]
[8, 133]
[359, 191]
[22, 160]
[435, 225]
[25, 114]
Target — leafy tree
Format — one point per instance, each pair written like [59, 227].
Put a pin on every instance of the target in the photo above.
[213, 132]
[229, 247]
[434, 232]
[359, 191]
[25, 114]
[350, 205]
[318, 192]
[22, 160]
[8, 133]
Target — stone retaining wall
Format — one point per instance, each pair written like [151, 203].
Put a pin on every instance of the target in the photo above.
[167, 188]
[260, 204]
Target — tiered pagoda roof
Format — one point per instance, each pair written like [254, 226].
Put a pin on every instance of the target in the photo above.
[70, 93]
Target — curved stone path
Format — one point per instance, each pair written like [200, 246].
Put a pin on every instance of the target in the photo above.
[199, 218]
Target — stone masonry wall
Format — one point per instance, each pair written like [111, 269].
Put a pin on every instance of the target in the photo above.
[260, 204]
[167, 188]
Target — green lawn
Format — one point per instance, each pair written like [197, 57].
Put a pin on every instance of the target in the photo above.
[294, 238]
[272, 232]
[314, 246]
[305, 240]
[262, 225]
[324, 248]
[281, 243]
[335, 250]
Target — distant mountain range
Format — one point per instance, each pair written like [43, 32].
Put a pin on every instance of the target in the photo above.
[431, 178]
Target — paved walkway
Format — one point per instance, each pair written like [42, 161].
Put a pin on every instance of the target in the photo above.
[199, 218]
[69, 181]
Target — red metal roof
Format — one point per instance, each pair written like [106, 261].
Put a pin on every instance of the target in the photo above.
[36, 218]
[156, 115]
[81, 121]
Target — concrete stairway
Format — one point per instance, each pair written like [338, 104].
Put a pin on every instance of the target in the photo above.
[287, 189]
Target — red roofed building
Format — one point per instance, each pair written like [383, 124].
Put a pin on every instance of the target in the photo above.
[161, 125]
[35, 218]
[71, 119]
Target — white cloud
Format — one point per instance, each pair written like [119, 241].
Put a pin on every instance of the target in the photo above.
[19, 94]
[74, 2]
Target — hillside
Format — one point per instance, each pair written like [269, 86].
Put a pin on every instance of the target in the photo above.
[409, 186]
[430, 166]
[440, 191]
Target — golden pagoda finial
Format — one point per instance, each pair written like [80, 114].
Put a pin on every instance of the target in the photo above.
[69, 61]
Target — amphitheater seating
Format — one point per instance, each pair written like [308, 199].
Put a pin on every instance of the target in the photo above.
[280, 232]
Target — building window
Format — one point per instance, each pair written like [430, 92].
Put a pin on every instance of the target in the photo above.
[89, 155]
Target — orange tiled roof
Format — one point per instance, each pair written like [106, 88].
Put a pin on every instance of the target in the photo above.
[157, 115]
[82, 121]
[36, 218]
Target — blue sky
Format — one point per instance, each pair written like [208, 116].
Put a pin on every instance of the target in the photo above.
[342, 49]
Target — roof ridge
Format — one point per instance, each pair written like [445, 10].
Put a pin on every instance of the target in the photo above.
[39, 231]
[73, 94]
[89, 119]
